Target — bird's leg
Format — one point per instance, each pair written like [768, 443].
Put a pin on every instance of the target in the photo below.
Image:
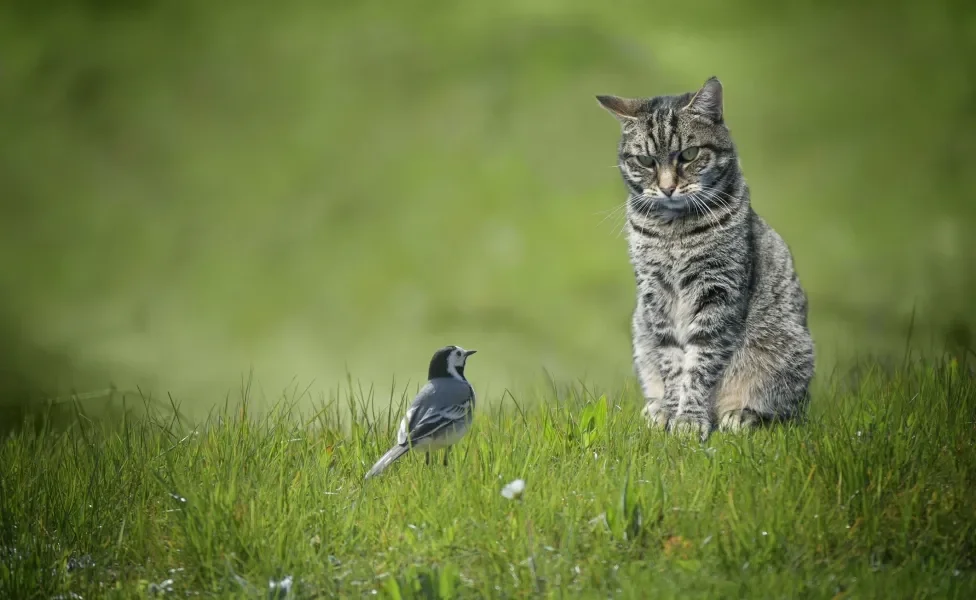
[446, 451]
[426, 458]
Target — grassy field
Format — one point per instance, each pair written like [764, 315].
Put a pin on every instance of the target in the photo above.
[870, 499]
[194, 189]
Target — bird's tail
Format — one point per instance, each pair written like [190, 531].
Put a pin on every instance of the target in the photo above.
[387, 459]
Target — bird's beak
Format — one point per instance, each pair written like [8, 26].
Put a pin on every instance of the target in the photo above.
[468, 353]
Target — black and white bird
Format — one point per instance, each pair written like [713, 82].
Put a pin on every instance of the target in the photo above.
[441, 413]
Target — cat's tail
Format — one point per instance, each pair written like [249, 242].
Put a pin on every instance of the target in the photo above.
[387, 459]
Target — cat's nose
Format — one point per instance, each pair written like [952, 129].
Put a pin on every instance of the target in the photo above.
[667, 190]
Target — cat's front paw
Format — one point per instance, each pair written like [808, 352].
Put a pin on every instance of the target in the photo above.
[694, 424]
[657, 414]
[738, 420]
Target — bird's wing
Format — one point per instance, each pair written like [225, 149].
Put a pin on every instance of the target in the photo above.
[434, 420]
[435, 408]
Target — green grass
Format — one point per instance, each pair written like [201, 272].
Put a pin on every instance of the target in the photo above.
[872, 498]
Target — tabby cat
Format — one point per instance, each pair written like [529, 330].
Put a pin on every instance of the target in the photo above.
[720, 330]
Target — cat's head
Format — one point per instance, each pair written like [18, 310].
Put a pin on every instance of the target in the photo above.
[676, 155]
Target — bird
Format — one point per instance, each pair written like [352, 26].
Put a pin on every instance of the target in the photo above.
[440, 414]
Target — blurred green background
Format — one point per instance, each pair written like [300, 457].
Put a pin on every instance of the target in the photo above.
[194, 189]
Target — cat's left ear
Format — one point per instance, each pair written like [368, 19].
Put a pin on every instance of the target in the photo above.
[624, 109]
[708, 100]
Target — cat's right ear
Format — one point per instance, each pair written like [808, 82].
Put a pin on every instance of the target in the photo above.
[708, 100]
[624, 109]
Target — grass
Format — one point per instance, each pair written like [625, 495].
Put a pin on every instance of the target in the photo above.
[872, 498]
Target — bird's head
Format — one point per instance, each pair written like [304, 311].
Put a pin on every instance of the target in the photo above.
[449, 362]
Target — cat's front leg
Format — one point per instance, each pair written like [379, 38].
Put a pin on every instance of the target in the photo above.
[667, 358]
[691, 412]
[658, 411]
[652, 386]
[705, 359]
[683, 386]
[655, 407]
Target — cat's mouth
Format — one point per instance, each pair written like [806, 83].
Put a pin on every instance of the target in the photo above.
[671, 208]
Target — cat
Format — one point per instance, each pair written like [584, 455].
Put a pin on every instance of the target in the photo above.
[720, 332]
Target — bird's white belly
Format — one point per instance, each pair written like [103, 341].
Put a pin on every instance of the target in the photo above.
[447, 437]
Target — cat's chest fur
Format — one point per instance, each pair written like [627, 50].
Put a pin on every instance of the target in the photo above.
[666, 285]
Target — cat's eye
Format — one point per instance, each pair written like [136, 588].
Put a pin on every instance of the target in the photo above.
[647, 161]
[689, 154]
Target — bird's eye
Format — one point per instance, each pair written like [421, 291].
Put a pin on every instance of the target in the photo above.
[689, 154]
[647, 161]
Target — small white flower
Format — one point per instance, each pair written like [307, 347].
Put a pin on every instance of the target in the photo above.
[600, 519]
[284, 585]
[513, 490]
[161, 588]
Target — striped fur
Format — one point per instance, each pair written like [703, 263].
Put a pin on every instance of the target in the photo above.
[720, 332]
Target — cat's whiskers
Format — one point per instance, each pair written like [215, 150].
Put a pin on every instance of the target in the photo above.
[710, 214]
[613, 213]
[645, 214]
[719, 193]
[623, 227]
[626, 221]
[698, 205]
[610, 212]
[725, 203]
[714, 195]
